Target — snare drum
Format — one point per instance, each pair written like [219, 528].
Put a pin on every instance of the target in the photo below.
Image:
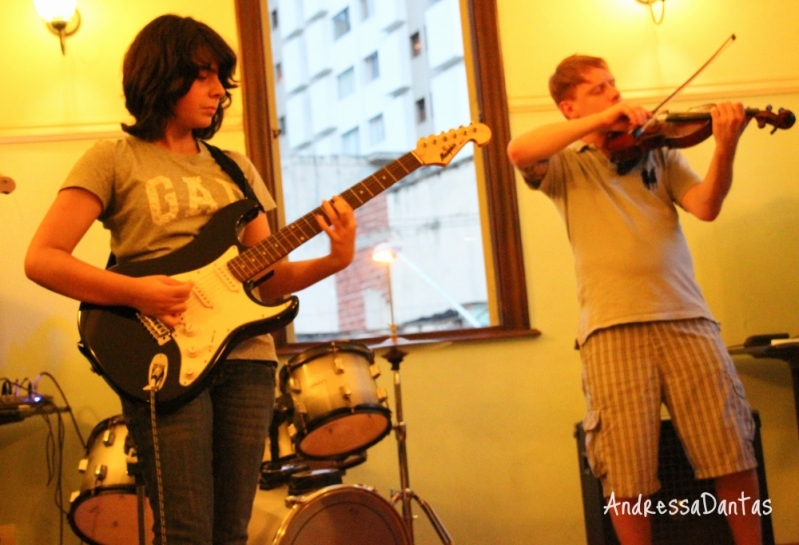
[105, 511]
[333, 515]
[338, 408]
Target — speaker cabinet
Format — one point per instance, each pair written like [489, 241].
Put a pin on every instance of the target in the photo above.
[677, 483]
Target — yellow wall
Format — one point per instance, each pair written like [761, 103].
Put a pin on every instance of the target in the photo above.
[489, 425]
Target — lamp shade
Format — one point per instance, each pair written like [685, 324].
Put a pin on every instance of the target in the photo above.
[56, 10]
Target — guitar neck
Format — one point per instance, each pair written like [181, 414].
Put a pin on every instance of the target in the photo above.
[255, 260]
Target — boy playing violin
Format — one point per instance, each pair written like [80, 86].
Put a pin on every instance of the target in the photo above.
[646, 335]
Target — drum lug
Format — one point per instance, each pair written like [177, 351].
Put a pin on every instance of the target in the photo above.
[293, 386]
[291, 501]
[338, 365]
[101, 472]
[83, 465]
[346, 392]
[382, 395]
[375, 370]
[109, 438]
[74, 495]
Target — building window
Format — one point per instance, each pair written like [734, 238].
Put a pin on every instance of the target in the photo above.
[346, 83]
[421, 111]
[341, 23]
[377, 132]
[351, 142]
[416, 45]
[273, 17]
[371, 68]
[469, 293]
[281, 125]
[278, 72]
[367, 8]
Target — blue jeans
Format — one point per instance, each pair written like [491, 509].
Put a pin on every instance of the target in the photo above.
[211, 450]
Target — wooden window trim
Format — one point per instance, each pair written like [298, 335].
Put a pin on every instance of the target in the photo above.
[503, 212]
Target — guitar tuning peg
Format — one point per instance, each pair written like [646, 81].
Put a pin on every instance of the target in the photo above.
[781, 110]
[768, 108]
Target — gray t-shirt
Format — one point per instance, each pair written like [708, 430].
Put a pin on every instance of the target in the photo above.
[631, 259]
[156, 201]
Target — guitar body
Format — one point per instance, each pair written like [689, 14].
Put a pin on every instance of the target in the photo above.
[124, 347]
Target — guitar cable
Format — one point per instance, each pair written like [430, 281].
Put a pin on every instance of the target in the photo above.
[158, 372]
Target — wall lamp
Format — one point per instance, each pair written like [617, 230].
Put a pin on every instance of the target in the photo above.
[651, 4]
[61, 17]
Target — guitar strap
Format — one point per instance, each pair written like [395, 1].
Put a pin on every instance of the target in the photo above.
[232, 169]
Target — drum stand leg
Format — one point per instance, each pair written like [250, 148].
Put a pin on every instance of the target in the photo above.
[405, 494]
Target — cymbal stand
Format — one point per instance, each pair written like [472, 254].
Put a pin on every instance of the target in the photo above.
[405, 494]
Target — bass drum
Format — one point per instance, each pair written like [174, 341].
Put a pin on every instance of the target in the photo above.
[338, 407]
[106, 510]
[334, 515]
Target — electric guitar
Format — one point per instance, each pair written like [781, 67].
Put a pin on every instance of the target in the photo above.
[135, 353]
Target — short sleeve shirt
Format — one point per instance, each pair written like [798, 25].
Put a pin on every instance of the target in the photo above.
[631, 258]
[156, 201]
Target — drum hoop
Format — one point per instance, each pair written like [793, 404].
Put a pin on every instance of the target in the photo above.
[332, 416]
[307, 499]
[334, 346]
[88, 494]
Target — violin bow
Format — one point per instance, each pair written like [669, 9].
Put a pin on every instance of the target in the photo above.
[637, 132]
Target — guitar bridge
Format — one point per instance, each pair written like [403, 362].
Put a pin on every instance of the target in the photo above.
[156, 328]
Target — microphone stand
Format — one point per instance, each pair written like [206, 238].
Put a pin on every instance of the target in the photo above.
[395, 356]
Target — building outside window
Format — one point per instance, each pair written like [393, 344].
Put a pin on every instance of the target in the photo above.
[377, 131]
[273, 17]
[351, 142]
[367, 8]
[341, 23]
[346, 83]
[416, 45]
[421, 111]
[371, 67]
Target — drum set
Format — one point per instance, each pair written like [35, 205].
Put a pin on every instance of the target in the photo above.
[328, 412]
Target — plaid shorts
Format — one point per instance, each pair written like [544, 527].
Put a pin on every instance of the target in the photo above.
[629, 370]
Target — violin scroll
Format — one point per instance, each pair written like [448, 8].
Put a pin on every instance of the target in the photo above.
[783, 119]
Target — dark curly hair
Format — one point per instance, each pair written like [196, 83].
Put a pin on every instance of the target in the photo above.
[160, 67]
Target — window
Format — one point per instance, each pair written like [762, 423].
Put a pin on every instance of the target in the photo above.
[278, 72]
[273, 17]
[416, 45]
[281, 125]
[506, 295]
[346, 83]
[341, 23]
[351, 142]
[421, 111]
[367, 8]
[377, 132]
[371, 68]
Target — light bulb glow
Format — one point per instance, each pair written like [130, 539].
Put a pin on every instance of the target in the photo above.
[56, 10]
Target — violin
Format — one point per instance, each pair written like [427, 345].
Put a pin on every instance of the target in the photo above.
[682, 130]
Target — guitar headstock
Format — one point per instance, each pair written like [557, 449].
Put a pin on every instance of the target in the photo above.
[440, 149]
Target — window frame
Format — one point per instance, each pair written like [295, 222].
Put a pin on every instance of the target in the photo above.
[506, 257]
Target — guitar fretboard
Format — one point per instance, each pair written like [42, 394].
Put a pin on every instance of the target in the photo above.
[255, 260]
